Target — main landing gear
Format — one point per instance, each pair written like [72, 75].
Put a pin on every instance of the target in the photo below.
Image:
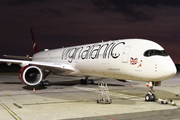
[87, 81]
[45, 82]
[150, 96]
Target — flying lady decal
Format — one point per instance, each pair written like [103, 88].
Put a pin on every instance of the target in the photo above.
[140, 64]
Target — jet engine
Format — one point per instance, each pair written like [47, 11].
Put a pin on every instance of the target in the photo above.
[30, 75]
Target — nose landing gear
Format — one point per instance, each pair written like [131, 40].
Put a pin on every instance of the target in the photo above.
[150, 96]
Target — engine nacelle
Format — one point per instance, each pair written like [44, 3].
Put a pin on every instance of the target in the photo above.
[30, 75]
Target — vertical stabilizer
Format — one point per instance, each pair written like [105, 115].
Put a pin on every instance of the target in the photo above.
[35, 47]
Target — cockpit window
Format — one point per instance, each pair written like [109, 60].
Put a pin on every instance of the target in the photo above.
[149, 53]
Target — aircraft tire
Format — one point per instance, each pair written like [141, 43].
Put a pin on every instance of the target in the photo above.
[84, 81]
[92, 81]
[153, 97]
[148, 97]
[44, 83]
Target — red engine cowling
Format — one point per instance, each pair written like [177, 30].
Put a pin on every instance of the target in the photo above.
[30, 75]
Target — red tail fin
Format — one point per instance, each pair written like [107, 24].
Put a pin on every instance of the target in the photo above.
[35, 47]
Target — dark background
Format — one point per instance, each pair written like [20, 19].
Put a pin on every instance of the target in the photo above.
[58, 23]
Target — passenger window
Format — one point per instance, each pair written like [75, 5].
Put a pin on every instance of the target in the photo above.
[149, 53]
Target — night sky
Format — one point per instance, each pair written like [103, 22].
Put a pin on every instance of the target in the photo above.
[59, 23]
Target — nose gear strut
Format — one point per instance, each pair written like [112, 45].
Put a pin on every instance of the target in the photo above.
[150, 96]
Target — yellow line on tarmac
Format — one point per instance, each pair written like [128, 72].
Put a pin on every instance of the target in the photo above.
[10, 111]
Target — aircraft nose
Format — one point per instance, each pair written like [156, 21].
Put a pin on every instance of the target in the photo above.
[170, 71]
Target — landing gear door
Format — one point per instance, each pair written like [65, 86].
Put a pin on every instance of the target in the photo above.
[125, 56]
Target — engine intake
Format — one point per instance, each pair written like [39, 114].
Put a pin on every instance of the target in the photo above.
[30, 75]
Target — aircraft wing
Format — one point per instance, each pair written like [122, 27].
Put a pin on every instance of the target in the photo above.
[18, 57]
[48, 65]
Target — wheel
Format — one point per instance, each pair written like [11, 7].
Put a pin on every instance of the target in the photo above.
[153, 97]
[82, 82]
[44, 83]
[92, 81]
[148, 97]
[41, 84]
[86, 81]
[47, 83]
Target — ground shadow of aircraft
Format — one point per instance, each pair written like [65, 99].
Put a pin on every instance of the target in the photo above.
[34, 87]
[78, 82]
[11, 83]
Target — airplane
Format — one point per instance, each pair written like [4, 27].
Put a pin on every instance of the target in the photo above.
[126, 59]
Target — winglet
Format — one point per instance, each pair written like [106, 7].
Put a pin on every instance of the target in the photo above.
[35, 47]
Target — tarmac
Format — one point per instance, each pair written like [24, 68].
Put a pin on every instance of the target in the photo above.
[67, 99]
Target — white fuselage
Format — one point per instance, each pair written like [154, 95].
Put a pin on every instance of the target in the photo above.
[130, 59]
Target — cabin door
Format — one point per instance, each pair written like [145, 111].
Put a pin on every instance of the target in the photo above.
[125, 56]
